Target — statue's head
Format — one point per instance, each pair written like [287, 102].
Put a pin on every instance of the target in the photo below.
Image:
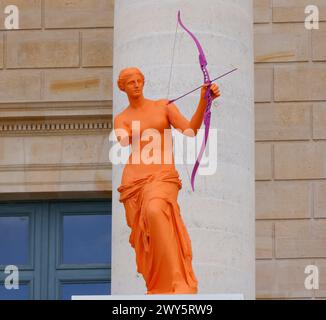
[131, 81]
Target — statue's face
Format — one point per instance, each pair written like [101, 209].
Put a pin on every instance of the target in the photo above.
[134, 86]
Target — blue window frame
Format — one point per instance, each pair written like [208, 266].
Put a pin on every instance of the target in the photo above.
[61, 248]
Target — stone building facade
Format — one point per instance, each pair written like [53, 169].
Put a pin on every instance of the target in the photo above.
[290, 127]
[56, 99]
[55, 173]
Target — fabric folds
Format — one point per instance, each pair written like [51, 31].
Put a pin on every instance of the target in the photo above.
[158, 233]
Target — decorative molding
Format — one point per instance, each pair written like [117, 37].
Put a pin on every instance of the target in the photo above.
[56, 125]
[41, 105]
[56, 167]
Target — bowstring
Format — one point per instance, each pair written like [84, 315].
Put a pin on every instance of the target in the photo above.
[172, 59]
[170, 79]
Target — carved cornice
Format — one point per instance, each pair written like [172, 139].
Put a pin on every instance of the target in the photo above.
[56, 125]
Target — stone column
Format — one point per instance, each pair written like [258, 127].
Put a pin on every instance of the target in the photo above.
[219, 215]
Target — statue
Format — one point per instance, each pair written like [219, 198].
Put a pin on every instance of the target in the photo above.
[149, 189]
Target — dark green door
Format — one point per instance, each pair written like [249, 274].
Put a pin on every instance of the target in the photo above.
[61, 248]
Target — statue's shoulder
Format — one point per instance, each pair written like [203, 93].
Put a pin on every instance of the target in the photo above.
[121, 117]
[162, 103]
[123, 113]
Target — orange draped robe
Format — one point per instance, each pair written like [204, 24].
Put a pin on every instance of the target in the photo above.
[158, 234]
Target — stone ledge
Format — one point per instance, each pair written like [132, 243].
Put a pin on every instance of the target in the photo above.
[65, 195]
[14, 110]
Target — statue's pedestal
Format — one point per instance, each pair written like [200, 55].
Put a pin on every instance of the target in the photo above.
[220, 296]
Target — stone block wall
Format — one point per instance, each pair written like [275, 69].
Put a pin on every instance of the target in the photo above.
[290, 125]
[56, 99]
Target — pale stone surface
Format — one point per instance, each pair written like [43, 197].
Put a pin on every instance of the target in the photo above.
[231, 189]
[281, 279]
[80, 150]
[319, 121]
[54, 164]
[50, 150]
[40, 49]
[216, 241]
[300, 83]
[37, 151]
[295, 110]
[78, 84]
[300, 239]
[281, 42]
[11, 151]
[97, 48]
[283, 200]
[264, 239]
[300, 160]
[223, 217]
[18, 85]
[262, 11]
[1, 50]
[283, 121]
[320, 199]
[319, 43]
[14, 110]
[263, 84]
[263, 162]
[294, 10]
[78, 13]
[219, 274]
[29, 13]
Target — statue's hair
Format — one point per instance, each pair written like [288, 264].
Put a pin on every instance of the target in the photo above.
[125, 74]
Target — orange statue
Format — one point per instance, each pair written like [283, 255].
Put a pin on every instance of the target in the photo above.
[149, 189]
